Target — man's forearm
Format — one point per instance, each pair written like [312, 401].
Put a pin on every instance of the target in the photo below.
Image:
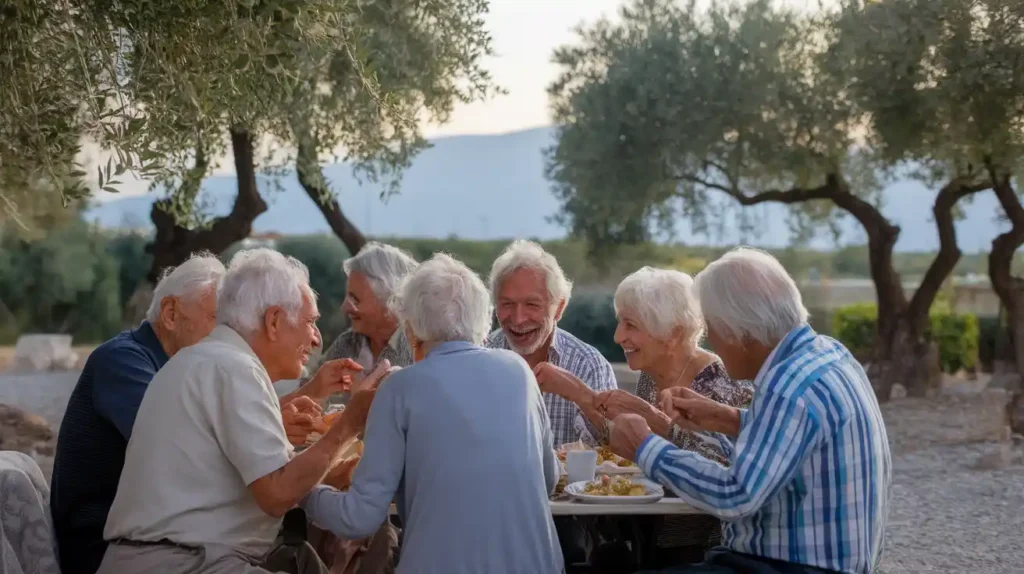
[309, 468]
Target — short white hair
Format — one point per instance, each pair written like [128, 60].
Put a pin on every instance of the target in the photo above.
[522, 254]
[662, 300]
[747, 295]
[384, 266]
[256, 280]
[443, 300]
[190, 280]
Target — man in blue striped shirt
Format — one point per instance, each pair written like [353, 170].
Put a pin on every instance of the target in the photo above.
[808, 487]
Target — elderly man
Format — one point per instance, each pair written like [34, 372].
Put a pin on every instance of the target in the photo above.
[460, 440]
[373, 275]
[530, 293]
[209, 471]
[808, 485]
[101, 411]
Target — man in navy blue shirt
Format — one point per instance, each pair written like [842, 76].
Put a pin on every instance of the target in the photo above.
[101, 411]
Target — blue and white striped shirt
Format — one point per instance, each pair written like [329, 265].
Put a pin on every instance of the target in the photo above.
[810, 474]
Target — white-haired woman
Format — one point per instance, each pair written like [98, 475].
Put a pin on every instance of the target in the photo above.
[660, 326]
[460, 441]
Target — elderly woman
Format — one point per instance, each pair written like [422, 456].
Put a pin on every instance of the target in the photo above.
[660, 326]
[373, 275]
[460, 441]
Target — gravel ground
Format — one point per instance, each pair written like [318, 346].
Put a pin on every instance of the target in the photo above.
[945, 515]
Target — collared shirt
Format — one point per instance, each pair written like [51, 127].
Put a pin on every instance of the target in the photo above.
[352, 345]
[92, 441]
[580, 359]
[209, 426]
[811, 469]
[461, 442]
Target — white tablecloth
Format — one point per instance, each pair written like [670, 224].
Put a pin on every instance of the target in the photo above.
[572, 508]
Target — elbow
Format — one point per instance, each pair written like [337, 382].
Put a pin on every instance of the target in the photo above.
[275, 508]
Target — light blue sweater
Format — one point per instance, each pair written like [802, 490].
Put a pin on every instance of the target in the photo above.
[461, 442]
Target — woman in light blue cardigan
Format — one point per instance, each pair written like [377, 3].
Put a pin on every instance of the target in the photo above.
[460, 441]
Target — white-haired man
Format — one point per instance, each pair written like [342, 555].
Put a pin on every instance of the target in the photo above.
[209, 470]
[101, 411]
[530, 293]
[459, 440]
[808, 485]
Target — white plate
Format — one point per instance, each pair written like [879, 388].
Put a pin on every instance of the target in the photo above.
[654, 493]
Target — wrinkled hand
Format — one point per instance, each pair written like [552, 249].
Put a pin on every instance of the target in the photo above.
[334, 377]
[374, 378]
[558, 381]
[627, 434]
[301, 417]
[617, 402]
[340, 476]
[692, 411]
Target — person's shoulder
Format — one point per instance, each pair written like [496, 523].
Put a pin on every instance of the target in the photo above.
[120, 349]
[802, 370]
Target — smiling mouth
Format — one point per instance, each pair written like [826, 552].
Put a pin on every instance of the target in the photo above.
[523, 333]
[629, 351]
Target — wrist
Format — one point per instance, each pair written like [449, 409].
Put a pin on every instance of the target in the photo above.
[660, 423]
[730, 422]
[580, 393]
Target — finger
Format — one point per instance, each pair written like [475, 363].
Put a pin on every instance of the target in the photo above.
[304, 403]
[538, 369]
[289, 408]
[345, 364]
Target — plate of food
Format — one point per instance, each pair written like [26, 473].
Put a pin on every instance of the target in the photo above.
[607, 461]
[616, 490]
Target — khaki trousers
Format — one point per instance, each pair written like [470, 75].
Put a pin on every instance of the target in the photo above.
[209, 559]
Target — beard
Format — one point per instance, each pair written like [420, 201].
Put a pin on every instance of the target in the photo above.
[536, 336]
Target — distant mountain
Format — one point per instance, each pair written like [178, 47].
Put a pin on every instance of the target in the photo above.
[491, 187]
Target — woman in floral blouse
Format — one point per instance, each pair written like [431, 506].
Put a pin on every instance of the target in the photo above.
[660, 328]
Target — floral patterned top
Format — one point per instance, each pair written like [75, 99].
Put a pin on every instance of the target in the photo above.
[712, 382]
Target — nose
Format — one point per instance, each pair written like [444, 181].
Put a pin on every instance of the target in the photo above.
[519, 315]
[317, 337]
[620, 336]
[347, 306]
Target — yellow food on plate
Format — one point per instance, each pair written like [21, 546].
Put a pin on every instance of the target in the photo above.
[608, 486]
[604, 454]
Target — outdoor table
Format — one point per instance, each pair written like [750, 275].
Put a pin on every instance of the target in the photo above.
[665, 506]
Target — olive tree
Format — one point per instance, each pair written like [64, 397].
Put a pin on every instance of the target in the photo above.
[663, 114]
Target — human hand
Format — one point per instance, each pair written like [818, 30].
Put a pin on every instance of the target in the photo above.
[340, 476]
[628, 432]
[618, 402]
[692, 411]
[333, 377]
[299, 423]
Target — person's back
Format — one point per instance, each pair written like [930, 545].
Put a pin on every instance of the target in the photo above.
[92, 442]
[474, 464]
[847, 469]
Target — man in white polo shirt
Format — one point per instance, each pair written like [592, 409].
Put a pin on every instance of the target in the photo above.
[209, 471]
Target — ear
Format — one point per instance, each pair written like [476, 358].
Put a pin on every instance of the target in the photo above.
[559, 310]
[272, 321]
[169, 313]
[677, 335]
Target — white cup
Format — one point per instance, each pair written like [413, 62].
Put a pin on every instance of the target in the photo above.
[581, 465]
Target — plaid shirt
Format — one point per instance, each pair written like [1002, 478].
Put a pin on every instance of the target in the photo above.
[580, 359]
[811, 469]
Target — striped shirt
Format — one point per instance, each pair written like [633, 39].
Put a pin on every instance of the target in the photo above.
[810, 475]
[580, 359]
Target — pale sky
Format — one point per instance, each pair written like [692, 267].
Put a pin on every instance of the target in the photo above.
[524, 33]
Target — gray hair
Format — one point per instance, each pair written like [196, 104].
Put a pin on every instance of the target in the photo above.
[384, 266]
[443, 300]
[522, 254]
[258, 279]
[663, 300]
[189, 280]
[747, 294]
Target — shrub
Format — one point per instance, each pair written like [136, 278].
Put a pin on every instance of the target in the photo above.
[956, 335]
[854, 326]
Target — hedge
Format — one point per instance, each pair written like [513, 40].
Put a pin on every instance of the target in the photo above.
[957, 335]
